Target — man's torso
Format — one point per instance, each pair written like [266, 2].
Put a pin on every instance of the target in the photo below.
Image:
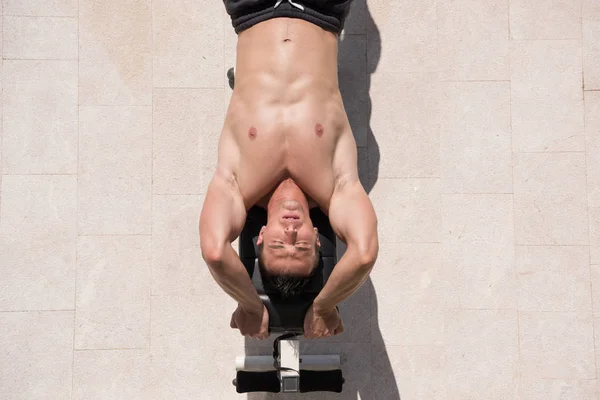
[286, 117]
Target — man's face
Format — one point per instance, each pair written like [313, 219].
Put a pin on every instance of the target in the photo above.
[289, 240]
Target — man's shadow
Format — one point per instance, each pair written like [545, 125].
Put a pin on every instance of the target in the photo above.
[365, 364]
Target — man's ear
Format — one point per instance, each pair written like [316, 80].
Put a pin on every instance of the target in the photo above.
[318, 241]
[260, 236]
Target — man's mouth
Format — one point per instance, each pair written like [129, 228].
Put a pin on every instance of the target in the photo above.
[291, 217]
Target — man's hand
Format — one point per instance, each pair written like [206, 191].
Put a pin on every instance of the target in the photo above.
[322, 323]
[254, 324]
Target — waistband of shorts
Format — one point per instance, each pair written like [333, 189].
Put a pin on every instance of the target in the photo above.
[327, 22]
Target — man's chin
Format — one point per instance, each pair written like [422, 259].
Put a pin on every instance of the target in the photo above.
[292, 205]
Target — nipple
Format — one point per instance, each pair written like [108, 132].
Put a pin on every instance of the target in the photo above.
[319, 130]
[252, 133]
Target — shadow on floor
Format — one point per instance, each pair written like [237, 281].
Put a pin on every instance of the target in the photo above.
[368, 374]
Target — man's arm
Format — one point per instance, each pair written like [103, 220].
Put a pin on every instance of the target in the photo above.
[353, 219]
[222, 219]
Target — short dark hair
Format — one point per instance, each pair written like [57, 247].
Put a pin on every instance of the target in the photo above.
[288, 285]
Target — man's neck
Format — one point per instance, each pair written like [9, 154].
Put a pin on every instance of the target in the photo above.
[264, 202]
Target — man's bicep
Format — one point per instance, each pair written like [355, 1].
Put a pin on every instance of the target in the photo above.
[353, 219]
[222, 218]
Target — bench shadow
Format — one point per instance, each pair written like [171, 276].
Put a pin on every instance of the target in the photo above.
[366, 366]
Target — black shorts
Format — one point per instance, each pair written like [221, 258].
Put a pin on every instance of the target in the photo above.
[328, 14]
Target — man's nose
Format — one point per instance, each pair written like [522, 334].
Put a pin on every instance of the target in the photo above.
[291, 232]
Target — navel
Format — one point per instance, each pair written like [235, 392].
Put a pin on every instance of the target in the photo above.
[252, 133]
[319, 130]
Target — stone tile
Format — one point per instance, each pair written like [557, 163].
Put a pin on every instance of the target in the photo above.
[115, 59]
[592, 133]
[353, 81]
[482, 355]
[595, 273]
[37, 242]
[545, 19]
[558, 389]
[556, 345]
[413, 324]
[591, 44]
[478, 249]
[187, 126]
[177, 265]
[475, 137]
[550, 199]
[411, 372]
[546, 96]
[40, 8]
[126, 371]
[188, 51]
[40, 117]
[402, 38]
[37, 354]
[113, 292]
[407, 128]
[473, 41]
[115, 170]
[553, 278]
[181, 336]
[408, 210]
[413, 274]
[40, 38]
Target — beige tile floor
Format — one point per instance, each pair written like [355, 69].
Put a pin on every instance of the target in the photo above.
[478, 126]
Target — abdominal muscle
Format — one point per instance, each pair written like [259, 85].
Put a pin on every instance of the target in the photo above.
[286, 114]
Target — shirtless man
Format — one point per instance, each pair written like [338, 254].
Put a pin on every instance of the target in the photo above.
[286, 145]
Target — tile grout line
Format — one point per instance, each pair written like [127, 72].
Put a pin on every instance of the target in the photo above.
[151, 175]
[38, 174]
[587, 200]
[76, 214]
[117, 105]
[512, 173]
[112, 234]
[581, 50]
[187, 87]
[473, 80]
[41, 16]
[39, 59]
[1, 108]
[550, 152]
[22, 311]
[547, 40]
[113, 348]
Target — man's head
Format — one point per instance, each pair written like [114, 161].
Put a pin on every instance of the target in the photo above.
[288, 244]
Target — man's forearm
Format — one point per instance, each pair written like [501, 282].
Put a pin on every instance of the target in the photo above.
[348, 275]
[231, 275]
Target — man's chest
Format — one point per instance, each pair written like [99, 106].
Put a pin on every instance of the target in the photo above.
[260, 172]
